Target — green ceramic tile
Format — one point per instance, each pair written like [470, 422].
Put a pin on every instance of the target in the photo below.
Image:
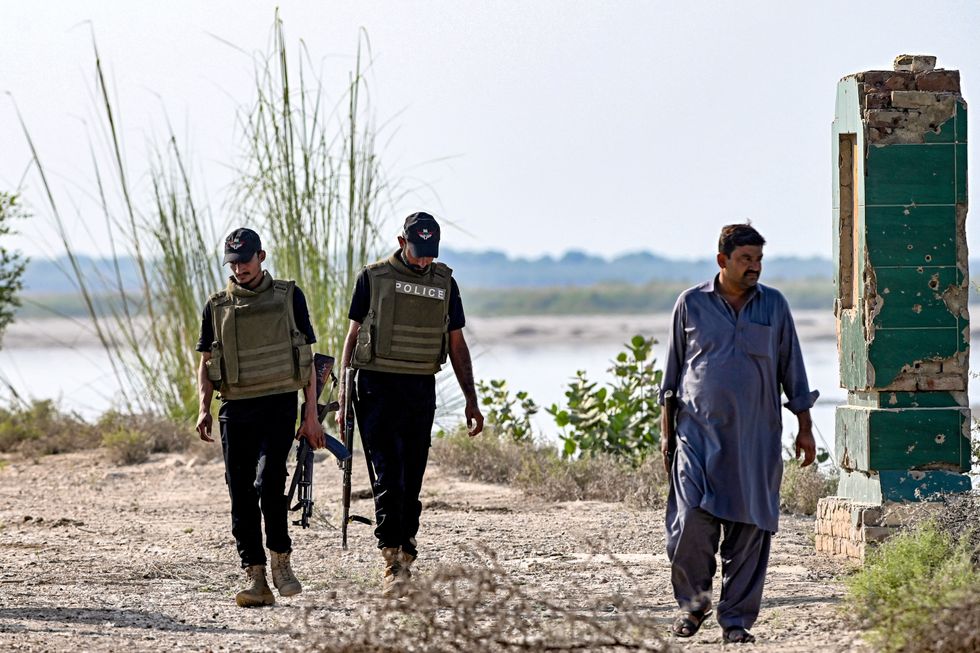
[901, 485]
[875, 439]
[911, 438]
[914, 235]
[910, 174]
[912, 297]
[892, 349]
[961, 181]
[946, 132]
[961, 122]
[876, 399]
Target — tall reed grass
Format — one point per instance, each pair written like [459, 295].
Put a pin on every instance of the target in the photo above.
[310, 182]
[312, 179]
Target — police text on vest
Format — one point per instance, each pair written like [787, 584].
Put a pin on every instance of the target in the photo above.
[419, 290]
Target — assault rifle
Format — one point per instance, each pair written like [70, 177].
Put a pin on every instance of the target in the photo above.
[303, 475]
[348, 464]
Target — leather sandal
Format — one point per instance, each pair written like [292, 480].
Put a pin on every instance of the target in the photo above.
[738, 635]
[689, 623]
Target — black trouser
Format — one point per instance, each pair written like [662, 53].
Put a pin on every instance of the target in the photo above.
[394, 415]
[255, 452]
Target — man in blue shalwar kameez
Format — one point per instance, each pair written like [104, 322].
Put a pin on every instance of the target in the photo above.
[732, 349]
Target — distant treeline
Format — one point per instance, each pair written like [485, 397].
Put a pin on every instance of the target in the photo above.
[606, 298]
[493, 284]
[618, 298]
[488, 269]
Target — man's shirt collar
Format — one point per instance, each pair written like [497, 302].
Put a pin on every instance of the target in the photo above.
[711, 286]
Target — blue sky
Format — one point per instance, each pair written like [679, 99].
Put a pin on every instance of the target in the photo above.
[538, 127]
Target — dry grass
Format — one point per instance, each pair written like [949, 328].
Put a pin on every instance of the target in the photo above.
[541, 471]
[40, 428]
[477, 607]
[803, 486]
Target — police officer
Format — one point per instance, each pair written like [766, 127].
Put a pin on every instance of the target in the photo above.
[406, 316]
[256, 349]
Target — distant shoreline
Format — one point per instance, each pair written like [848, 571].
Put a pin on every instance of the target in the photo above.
[812, 325]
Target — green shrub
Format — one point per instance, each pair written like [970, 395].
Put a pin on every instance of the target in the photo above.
[622, 419]
[910, 580]
[39, 429]
[12, 264]
[127, 446]
[803, 486]
[511, 416]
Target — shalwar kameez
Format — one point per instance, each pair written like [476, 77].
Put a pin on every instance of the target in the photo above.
[727, 370]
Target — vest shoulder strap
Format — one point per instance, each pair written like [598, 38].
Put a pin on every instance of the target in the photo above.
[442, 271]
[283, 288]
[219, 298]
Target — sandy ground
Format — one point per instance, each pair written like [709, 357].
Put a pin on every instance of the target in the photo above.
[95, 557]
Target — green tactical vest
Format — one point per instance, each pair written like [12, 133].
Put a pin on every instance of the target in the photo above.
[257, 349]
[406, 329]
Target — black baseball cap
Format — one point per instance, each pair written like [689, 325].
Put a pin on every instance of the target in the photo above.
[422, 233]
[241, 245]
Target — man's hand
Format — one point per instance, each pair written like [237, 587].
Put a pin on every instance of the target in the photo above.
[312, 430]
[474, 418]
[204, 423]
[806, 445]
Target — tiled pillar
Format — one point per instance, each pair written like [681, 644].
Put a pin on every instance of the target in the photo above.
[900, 203]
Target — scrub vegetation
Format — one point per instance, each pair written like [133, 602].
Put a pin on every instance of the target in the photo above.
[608, 432]
[310, 181]
[12, 264]
[40, 428]
[920, 590]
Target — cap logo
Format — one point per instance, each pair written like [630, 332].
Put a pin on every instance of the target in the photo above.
[425, 234]
[234, 244]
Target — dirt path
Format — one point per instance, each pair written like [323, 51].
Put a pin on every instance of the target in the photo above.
[95, 557]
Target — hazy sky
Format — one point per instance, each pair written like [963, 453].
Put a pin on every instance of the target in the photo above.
[541, 126]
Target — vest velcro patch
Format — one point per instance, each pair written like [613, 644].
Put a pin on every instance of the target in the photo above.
[418, 290]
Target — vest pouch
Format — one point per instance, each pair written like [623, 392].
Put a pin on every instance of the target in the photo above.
[385, 319]
[213, 364]
[304, 358]
[364, 349]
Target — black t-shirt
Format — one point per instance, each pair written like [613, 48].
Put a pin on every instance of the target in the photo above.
[258, 408]
[360, 303]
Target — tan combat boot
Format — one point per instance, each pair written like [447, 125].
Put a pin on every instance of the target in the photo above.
[282, 575]
[391, 583]
[405, 573]
[258, 593]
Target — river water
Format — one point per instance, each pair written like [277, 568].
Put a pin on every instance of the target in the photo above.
[538, 356]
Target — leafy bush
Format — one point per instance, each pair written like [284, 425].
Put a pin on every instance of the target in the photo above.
[511, 416]
[542, 470]
[127, 446]
[622, 419]
[39, 428]
[909, 581]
